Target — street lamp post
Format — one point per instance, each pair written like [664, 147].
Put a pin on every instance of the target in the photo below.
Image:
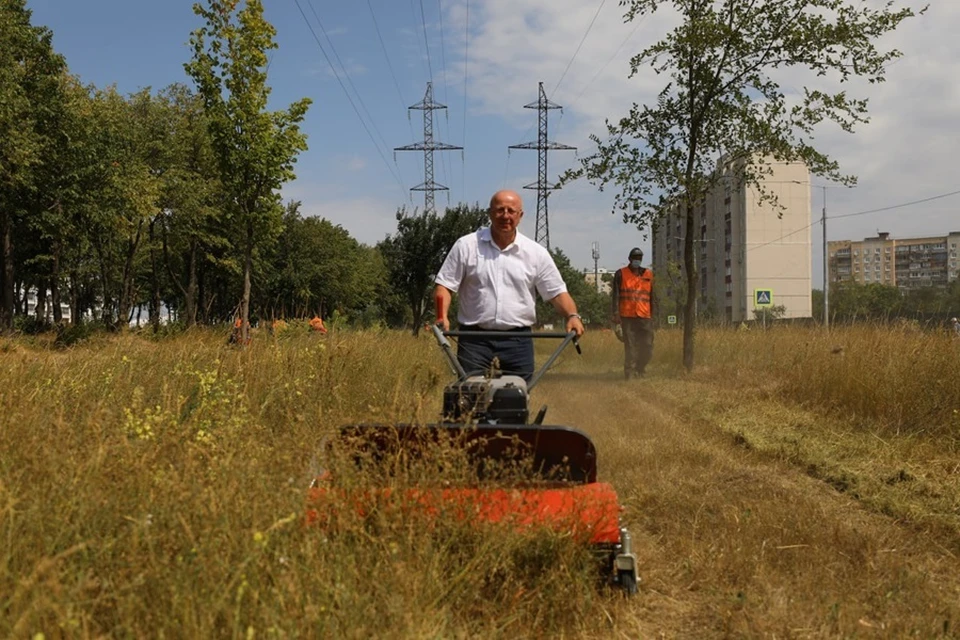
[826, 280]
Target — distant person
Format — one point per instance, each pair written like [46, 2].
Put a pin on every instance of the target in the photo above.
[497, 273]
[632, 309]
[316, 324]
[956, 327]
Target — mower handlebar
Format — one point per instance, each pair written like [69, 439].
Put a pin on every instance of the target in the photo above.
[566, 337]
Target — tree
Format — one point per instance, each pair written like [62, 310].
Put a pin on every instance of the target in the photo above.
[255, 148]
[593, 307]
[850, 301]
[29, 71]
[769, 314]
[722, 104]
[319, 267]
[670, 290]
[187, 222]
[415, 253]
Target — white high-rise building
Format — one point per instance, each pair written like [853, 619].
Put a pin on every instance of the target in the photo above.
[744, 245]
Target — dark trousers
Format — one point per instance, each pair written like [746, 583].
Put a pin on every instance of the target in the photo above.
[637, 344]
[511, 347]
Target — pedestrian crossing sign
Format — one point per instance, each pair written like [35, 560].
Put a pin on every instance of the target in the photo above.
[763, 297]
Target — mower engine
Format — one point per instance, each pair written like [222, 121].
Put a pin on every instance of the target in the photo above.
[500, 399]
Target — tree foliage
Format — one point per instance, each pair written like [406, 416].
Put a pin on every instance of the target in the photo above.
[415, 253]
[723, 101]
[593, 307]
[255, 148]
[30, 73]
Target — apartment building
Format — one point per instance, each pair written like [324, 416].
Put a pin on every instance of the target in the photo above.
[595, 278]
[31, 307]
[745, 243]
[910, 263]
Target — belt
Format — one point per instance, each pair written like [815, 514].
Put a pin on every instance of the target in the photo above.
[477, 327]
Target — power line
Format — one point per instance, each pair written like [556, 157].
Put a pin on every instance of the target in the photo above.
[463, 137]
[858, 213]
[562, 76]
[897, 206]
[443, 75]
[346, 73]
[582, 40]
[607, 63]
[416, 34]
[403, 103]
[426, 44]
[383, 47]
[349, 99]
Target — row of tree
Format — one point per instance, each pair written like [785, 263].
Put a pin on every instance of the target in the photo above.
[175, 196]
[852, 302]
[123, 205]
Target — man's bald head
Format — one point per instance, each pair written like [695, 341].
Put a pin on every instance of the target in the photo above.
[507, 197]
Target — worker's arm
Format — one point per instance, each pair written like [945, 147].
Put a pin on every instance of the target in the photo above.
[441, 298]
[566, 307]
[654, 302]
[615, 298]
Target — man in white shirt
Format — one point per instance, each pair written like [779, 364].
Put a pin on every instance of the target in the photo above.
[497, 272]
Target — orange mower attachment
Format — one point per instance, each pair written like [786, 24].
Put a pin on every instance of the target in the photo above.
[518, 475]
[524, 477]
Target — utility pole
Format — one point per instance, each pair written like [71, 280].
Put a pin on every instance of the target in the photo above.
[595, 250]
[542, 145]
[826, 264]
[428, 146]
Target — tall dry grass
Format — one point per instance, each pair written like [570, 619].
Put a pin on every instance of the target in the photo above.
[898, 378]
[158, 488]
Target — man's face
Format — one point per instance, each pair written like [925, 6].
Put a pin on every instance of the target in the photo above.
[505, 213]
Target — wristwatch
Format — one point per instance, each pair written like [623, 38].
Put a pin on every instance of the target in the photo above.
[573, 315]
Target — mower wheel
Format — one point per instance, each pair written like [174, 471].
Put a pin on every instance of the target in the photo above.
[628, 582]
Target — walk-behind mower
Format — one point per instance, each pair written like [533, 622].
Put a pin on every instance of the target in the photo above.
[522, 474]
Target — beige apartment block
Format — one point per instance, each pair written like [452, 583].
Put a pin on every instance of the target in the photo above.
[743, 245]
[595, 278]
[909, 263]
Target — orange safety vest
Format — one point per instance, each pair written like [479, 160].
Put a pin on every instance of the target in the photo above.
[635, 293]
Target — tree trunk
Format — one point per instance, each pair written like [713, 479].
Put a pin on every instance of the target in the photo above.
[74, 298]
[41, 310]
[190, 302]
[6, 273]
[417, 306]
[128, 282]
[245, 303]
[106, 314]
[154, 306]
[690, 267]
[55, 284]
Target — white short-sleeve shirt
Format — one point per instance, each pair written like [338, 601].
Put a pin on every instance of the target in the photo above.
[497, 288]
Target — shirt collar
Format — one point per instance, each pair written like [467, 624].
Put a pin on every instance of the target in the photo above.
[486, 236]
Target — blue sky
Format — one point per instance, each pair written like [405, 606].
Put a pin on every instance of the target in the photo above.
[485, 60]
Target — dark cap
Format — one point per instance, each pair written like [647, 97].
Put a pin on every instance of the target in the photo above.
[636, 252]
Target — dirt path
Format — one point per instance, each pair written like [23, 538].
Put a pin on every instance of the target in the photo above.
[732, 543]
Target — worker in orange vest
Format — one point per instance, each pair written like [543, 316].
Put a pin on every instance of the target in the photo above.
[633, 302]
[316, 324]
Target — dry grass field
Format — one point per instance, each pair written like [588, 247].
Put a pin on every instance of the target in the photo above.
[797, 485]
